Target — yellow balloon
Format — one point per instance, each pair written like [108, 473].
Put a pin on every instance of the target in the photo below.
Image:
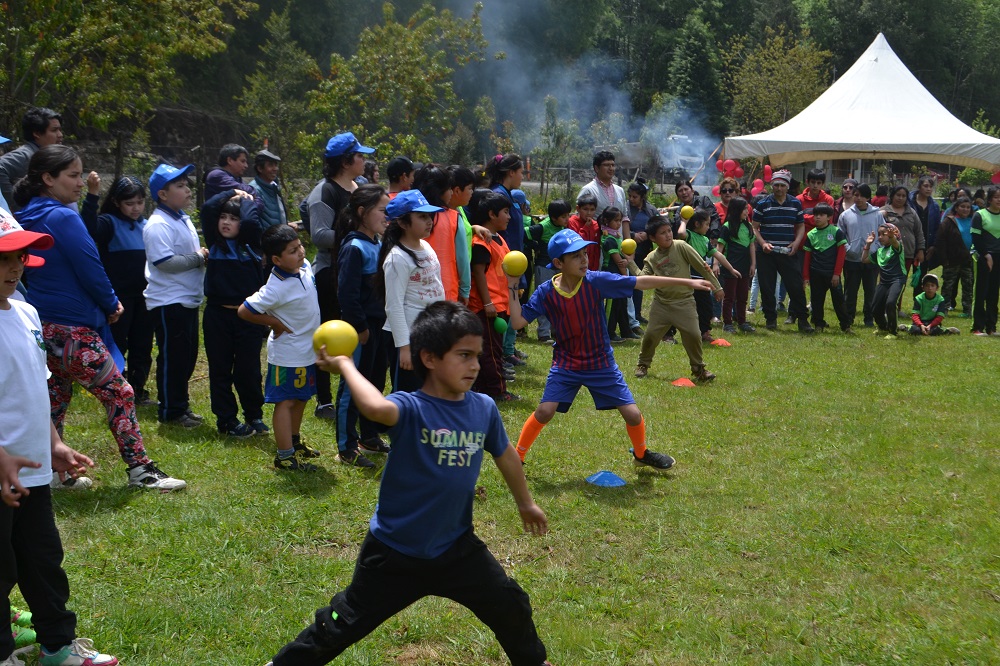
[339, 337]
[687, 212]
[515, 263]
[628, 246]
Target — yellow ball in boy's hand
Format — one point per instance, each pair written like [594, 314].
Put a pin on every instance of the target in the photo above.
[515, 263]
[628, 246]
[339, 337]
[687, 212]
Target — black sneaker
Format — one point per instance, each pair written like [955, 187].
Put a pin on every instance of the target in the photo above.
[191, 415]
[327, 411]
[747, 328]
[237, 430]
[293, 464]
[514, 360]
[143, 399]
[805, 327]
[771, 325]
[545, 338]
[184, 421]
[304, 450]
[374, 445]
[259, 427]
[657, 461]
[355, 459]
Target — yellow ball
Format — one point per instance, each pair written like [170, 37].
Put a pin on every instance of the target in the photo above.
[515, 263]
[687, 212]
[339, 337]
[628, 246]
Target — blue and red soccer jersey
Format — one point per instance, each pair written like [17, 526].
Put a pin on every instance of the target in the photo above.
[579, 322]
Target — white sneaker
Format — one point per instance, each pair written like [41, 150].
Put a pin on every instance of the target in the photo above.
[150, 476]
[79, 483]
[12, 660]
[80, 652]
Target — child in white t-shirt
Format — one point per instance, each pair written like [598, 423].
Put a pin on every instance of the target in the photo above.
[30, 448]
[287, 304]
[411, 276]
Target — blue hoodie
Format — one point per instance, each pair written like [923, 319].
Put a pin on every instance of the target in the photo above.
[72, 288]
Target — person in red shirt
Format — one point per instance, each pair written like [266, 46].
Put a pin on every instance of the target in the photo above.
[813, 196]
[585, 224]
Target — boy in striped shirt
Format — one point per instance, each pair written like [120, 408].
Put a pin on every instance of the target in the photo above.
[573, 301]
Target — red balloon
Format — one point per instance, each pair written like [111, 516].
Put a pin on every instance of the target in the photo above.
[719, 165]
[715, 191]
[996, 178]
[767, 173]
[757, 190]
[758, 184]
[739, 172]
[729, 165]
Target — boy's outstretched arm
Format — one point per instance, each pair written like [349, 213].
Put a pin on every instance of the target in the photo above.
[512, 469]
[369, 400]
[644, 282]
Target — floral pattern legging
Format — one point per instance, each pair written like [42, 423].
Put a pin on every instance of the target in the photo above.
[77, 354]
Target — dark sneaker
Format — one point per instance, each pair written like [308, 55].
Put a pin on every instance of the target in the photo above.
[771, 325]
[293, 464]
[327, 411]
[545, 338]
[728, 328]
[615, 338]
[143, 399]
[259, 427]
[806, 327]
[669, 339]
[637, 331]
[747, 328]
[237, 430]
[514, 360]
[355, 459]
[520, 354]
[703, 376]
[192, 415]
[374, 445]
[303, 450]
[506, 396]
[707, 337]
[657, 461]
[869, 323]
[509, 376]
[632, 335]
[184, 420]
[149, 476]
[641, 370]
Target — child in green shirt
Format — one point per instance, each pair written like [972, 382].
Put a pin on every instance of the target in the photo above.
[928, 310]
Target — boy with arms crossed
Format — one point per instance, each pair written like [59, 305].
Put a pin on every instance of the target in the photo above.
[421, 540]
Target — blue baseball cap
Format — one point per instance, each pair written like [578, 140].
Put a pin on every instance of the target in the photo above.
[521, 199]
[342, 144]
[164, 175]
[409, 201]
[565, 242]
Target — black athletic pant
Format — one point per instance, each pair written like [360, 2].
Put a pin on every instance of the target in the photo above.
[859, 275]
[177, 340]
[769, 266]
[329, 308]
[232, 347]
[984, 309]
[31, 557]
[133, 333]
[704, 302]
[618, 317]
[387, 581]
[819, 285]
[884, 304]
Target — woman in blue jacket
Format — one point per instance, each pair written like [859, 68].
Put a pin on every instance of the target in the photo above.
[77, 305]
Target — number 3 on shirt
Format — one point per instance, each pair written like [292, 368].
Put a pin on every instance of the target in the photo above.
[301, 374]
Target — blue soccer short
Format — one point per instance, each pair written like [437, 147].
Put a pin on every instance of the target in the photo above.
[289, 383]
[607, 387]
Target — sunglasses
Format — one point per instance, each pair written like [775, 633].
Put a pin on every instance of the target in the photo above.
[847, 187]
[727, 190]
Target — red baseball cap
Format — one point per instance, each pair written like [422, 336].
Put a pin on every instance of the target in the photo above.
[14, 238]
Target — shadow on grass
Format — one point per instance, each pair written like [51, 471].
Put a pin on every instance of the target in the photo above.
[99, 499]
[622, 496]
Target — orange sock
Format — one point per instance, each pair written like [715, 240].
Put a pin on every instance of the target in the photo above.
[529, 433]
[637, 434]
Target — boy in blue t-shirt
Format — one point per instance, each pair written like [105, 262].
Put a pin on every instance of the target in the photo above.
[582, 357]
[420, 540]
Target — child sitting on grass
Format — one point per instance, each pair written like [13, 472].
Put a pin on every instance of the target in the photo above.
[674, 303]
[582, 357]
[421, 540]
[287, 304]
[31, 551]
[928, 310]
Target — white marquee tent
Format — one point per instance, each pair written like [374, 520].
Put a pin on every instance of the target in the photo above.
[876, 110]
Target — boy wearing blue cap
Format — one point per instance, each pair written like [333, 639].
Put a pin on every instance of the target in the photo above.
[573, 301]
[175, 276]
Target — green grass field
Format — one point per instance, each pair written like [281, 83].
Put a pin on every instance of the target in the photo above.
[834, 502]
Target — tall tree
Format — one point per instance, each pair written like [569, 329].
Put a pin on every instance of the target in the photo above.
[694, 72]
[105, 59]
